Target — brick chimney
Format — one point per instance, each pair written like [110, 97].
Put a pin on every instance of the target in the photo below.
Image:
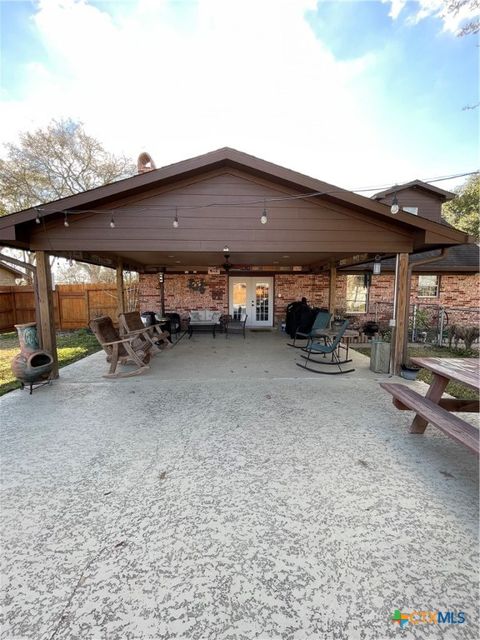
[145, 163]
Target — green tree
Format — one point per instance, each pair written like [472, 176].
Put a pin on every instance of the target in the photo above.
[52, 163]
[463, 212]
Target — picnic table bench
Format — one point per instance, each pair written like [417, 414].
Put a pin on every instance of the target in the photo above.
[434, 409]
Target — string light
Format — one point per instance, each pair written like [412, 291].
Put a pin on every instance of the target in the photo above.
[254, 202]
[226, 249]
[264, 218]
[394, 208]
[65, 222]
[112, 222]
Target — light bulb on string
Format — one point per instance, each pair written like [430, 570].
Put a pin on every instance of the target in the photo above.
[37, 219]
[112, 222]
[394, 208]
[263, 218]
[65, 222]
[175, 220]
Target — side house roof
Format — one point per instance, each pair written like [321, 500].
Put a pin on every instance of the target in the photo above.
[6, 267]
[416, 184]
[459, 258]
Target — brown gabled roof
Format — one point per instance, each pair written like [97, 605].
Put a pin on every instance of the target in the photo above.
[415, 184]
[227, 157]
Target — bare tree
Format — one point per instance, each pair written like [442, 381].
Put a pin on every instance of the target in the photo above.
[52, 163]
[473, 7]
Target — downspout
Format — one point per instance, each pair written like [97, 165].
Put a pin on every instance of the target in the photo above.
[411, 266]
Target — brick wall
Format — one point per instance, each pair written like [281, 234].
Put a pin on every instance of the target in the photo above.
[455, 291]
[291, 287]
[180, 298]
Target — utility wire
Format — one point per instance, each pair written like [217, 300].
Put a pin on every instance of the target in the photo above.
[253, 203]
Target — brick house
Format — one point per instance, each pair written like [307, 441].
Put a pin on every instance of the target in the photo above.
[227, 231]
[451, 281]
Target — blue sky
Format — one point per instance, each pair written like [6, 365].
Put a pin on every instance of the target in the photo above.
[356, 93]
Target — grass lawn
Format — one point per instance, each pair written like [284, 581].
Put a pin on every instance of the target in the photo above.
[71, 346]
[454, 388]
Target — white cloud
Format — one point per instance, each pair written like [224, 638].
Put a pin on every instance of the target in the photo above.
[452, 21]
[248, 74]
[395, 8]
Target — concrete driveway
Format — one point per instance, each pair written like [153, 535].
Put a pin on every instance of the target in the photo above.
[229, 495]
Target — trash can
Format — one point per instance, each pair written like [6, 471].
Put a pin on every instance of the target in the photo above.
[380, 357]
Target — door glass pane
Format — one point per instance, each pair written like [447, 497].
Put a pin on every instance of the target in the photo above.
[261, 301]
[239, 299]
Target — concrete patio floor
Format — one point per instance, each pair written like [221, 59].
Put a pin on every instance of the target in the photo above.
[229, 495]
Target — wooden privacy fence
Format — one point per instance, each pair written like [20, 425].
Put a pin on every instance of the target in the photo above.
[75, 305]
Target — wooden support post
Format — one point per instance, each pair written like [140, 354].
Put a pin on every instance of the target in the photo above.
[120, 289]
[332, 293]
[402, 298]
[45, 310]
[407, 315]
[161, 278]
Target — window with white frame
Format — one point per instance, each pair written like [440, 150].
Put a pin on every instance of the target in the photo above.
[357, 294]
[428, 286]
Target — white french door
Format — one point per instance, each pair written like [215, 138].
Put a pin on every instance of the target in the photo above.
[253, 296]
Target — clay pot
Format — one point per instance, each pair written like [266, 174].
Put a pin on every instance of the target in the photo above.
[32, 364]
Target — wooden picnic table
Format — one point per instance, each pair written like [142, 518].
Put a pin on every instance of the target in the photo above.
[433, 408]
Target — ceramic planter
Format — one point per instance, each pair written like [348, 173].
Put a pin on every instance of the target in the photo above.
[32, 364]
[408, 372]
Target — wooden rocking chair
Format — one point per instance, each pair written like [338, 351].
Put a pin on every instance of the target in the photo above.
[128, 349]
[152, 335]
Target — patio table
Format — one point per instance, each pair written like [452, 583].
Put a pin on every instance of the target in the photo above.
[202, 326]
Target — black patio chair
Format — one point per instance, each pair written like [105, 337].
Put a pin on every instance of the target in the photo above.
[236, 326]
[332, 348]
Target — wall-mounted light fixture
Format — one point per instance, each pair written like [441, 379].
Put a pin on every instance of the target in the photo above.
[377, 265]
[226, 265]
